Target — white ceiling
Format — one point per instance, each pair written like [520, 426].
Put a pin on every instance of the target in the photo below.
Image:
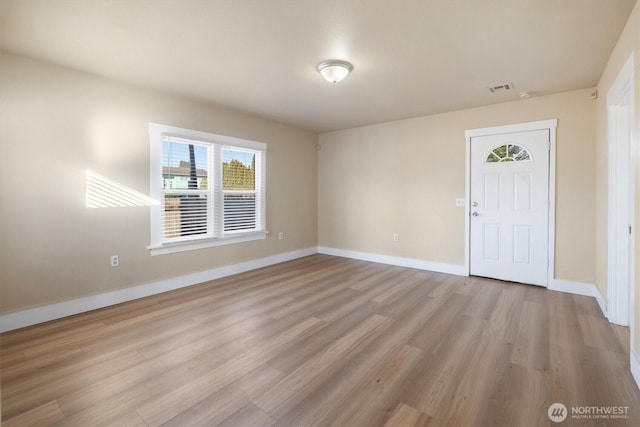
[410, 57]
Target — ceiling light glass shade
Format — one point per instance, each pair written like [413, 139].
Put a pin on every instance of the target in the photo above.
[334, 70]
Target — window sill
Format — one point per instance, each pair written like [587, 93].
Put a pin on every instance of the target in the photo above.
[169, 248]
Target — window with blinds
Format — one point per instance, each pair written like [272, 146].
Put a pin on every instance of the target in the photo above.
[239, 189]
[210, 189]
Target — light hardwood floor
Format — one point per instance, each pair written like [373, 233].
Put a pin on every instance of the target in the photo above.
[322, 341]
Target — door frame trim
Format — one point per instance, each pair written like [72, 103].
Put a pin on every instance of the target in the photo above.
[620, 296]
[551, 125]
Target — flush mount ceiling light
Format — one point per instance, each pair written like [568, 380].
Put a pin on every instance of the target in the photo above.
[334, 70]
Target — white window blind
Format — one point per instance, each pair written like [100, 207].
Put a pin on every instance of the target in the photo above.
[210, 188]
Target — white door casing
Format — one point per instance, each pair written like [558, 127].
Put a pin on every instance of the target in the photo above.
[620, 245]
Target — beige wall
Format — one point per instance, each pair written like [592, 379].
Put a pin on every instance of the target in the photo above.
[404, 177]
[55, 123]
[629, 42]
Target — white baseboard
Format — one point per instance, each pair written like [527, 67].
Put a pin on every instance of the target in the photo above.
[21, 319]
[635, 366]
[24, 318]
[579, 288]
[439, 267]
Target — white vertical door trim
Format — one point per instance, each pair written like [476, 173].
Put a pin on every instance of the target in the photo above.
[621, 196]
[551, 125]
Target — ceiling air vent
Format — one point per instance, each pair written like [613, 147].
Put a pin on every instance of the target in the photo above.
[498, 88]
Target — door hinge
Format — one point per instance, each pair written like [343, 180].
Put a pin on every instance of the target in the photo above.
[630, 229]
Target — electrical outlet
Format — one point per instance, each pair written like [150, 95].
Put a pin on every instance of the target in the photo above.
[395, 237]
[115, 261]
[459, 203]
[281, 235]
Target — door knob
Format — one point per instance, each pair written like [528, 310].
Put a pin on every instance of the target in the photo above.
[475, 214]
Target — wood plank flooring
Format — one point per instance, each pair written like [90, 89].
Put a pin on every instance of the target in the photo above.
[322, 341]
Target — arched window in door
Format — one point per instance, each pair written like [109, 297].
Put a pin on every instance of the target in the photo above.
[509, 153]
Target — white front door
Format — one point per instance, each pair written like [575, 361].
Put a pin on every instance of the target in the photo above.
[509, 226]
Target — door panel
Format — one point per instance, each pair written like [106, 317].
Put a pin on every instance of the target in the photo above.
[492, 192]
[521, 244]
[509, 206]
[491, 241]
[522, 191]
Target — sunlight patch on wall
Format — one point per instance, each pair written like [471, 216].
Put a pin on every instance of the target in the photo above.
[103, 192]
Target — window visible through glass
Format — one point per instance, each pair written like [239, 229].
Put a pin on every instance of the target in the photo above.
[238, 187]
[508, 153]
[184, 166]
[210, 188]
[238, 170]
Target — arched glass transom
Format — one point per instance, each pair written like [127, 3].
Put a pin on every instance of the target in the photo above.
[509, 153]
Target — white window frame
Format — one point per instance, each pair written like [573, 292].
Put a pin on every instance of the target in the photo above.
[216, 235]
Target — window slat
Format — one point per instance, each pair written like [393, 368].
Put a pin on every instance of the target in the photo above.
[239, 212]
